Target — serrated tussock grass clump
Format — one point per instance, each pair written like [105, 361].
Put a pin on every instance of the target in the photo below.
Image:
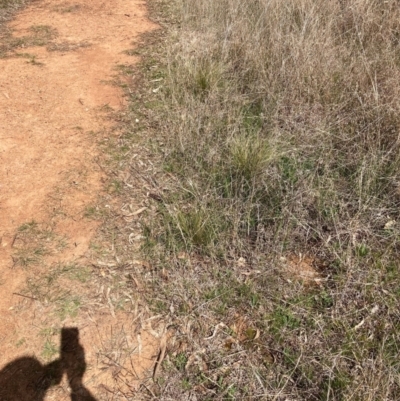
[280, 126]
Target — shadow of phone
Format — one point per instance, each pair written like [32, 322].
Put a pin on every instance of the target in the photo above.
[72, 357]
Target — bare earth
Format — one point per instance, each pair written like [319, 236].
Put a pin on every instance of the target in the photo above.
[52, 100]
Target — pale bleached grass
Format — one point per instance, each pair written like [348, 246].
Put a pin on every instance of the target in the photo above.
[278, 128]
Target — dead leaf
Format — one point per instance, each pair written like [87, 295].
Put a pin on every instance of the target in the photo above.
[139, 211]
[137, 283]
[216, 329]
[182, 255]
[357, 326]
[156, 197]
[241, 262]
[252, 334]
[164, 274]
[230, 342]
[142, 263]
[390, 224]
[190, 361]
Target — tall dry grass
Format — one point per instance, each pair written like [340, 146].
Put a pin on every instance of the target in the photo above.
[316, 84]
[280, 122]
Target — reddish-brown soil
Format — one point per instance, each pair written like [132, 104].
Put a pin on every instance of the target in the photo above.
[53, 103]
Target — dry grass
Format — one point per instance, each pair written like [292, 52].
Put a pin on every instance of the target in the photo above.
[272, 131]
[7, 10]
[8, 7]
[8, 4]
[264, 136]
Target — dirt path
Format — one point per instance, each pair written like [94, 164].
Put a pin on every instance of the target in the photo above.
[53, 96]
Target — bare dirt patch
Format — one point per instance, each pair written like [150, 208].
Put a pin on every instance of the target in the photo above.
[303, 268]
[52, 103]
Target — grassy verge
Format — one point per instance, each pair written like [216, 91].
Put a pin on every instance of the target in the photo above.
[271, 167]
[39, 35]
[7, 7]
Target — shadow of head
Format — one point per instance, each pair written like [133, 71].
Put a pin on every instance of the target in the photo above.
[27, 379]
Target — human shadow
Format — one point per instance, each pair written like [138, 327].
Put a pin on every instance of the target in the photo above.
[26, 379]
